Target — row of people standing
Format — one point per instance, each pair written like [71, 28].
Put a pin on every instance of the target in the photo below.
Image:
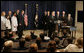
[12, 23]
[49, 21]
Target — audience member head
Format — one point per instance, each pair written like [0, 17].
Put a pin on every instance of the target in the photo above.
[45, 12]
[51, 46]
[42, 36]
[21, 42]
[57, 40]
[3, 13]
[27, 37]
[53, 13]
[80, 42]
[70, 40]
[38, 41]
[33, 47]
[8, 46]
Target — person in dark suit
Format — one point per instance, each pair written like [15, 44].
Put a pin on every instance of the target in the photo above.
[63, 18]
[69, 20]
[58, 18]
[20, 24]
[52, 24]
[18, 16]
[49, 24]
[45, 20]
[58, 15]
[10, 15]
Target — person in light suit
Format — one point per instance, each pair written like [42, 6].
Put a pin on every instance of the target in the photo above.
[14, 23]
[3, 23]
[8, 25]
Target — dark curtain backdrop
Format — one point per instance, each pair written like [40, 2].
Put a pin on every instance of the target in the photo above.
[68, 6]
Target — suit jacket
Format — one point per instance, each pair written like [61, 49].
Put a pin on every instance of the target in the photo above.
[70, 22]
[14, 23]
[18, 16]
[3, 23]
[21, 20]
[58, 18]
[64, 18]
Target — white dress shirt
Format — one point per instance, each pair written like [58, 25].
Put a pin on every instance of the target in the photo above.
[3, 23]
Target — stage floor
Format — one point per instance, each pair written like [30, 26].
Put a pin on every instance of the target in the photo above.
[37, 32]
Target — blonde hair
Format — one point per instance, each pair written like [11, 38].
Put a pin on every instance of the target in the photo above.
[8, 46]
[34, 46]
[27, 37]
[2, 13]
[8, 43]
[80, 42]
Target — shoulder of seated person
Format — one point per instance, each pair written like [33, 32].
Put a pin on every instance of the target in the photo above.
[72, 45]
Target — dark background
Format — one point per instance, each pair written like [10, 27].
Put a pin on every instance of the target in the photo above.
[80, 16]
[68, 6]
